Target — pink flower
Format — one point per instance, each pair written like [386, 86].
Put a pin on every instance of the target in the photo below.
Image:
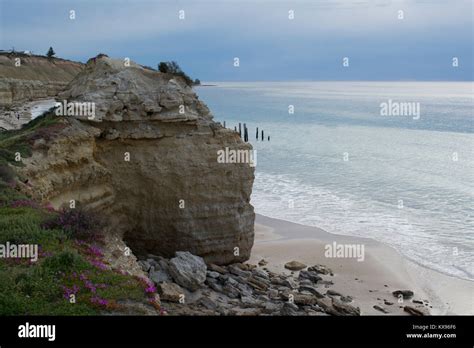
[89, 285]
[99, 264]
[150, 289]
[70, 291]
[99, 301]
[96, 251]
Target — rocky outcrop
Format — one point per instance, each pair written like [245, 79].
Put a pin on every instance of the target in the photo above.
[147, 162]
[242, 289]
[25, 78]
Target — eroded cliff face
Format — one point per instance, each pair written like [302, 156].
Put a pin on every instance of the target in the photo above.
[147, 163]
[34, 77]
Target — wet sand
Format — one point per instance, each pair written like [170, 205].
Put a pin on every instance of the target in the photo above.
[371, 281]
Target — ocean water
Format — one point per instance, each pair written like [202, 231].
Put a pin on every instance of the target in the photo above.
[338, 164]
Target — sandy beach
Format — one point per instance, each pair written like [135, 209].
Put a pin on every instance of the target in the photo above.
[371, 281]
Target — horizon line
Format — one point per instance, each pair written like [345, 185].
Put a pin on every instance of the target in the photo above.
[203, 83]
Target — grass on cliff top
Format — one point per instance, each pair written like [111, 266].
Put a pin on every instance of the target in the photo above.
[70, 276]
[21, 140]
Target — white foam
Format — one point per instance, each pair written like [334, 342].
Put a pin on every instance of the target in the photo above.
[406, 231]
[38, 108]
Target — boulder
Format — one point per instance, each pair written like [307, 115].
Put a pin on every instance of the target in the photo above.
[333, 293]
[298, 298]
[261, 273]
[416, 311]
[346, 298]
[295, 265]
[310, 275]
[273, 294]
[188, 270]
[170, 292]
[290, 283]
[289, 309]
[159, 276]
[380, 309]
[344, 308]
[214, 285]
[272, 307]
[249, 301]
[230, 290]
[258, 283]
[145, 265]
[320, 269]
[244, 290]
[208, 303]
[234, 269]
[325, 304]
[406, 294]
[311, 290]
[212, 274]
[303, 299]
[216, 268]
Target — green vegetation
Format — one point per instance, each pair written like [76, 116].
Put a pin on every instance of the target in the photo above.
[67, 267]
[174, 69]
[20, 141]
[50, 53]
[71, 276]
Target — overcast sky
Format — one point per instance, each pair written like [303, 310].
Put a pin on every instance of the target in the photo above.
[270, 46]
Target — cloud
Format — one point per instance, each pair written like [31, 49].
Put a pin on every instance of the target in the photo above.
[260, 31]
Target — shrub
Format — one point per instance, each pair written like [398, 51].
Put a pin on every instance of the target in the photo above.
[77, 223]
[50, 53]
[175, 69]
[163, 67]
[65, 261]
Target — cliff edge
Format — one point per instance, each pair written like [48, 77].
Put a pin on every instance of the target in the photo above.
[146, 160]
[25, 77]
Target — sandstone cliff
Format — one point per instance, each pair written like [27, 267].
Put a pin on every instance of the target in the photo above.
[36, 77]
[148, 163]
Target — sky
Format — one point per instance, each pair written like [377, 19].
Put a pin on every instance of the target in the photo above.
[382, 39]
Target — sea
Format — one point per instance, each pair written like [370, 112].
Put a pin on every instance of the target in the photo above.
[391, 161]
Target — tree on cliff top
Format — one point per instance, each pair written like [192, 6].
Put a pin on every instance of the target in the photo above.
[50, 53]
[173, 68]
